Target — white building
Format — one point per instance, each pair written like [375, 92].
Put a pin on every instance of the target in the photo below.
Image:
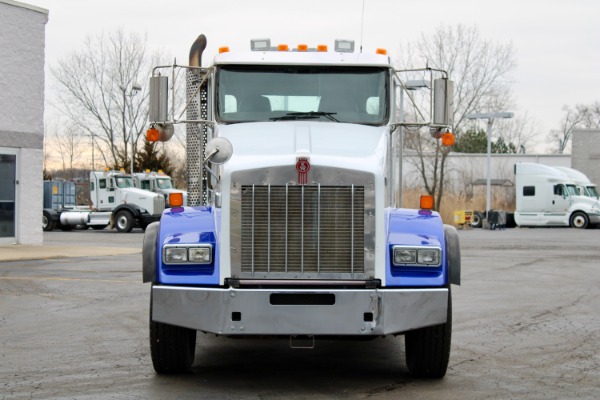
[22, 40]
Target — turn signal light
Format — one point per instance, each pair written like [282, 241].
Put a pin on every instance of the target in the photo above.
[448, 139]
[426, 202]
[175, 199]
[223, 49]
[152, 135]
[383, 52]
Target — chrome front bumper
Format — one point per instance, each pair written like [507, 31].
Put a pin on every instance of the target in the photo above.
[233, 311]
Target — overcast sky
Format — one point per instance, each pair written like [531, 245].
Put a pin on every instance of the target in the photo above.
[557, 42]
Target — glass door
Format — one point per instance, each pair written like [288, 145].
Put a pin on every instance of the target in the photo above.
[8, 191]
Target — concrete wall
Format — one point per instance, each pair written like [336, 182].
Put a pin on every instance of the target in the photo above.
[586, 153]
[22, 41]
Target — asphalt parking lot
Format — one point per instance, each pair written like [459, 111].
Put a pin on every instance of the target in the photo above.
[526, 326]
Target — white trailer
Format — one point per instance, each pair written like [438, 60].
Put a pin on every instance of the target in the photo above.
[546, 196]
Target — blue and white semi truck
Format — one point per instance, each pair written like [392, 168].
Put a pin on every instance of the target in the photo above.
[293, 226]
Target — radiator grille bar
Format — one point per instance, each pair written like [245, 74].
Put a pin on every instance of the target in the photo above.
[305, 230]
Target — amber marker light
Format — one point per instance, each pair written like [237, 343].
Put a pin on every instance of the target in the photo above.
[448, 139]
[426, 202]
[383, 52]
[302, 47]
[152, 135]
[282, 47]
[223, 49]
[176, 199]
[322, 47]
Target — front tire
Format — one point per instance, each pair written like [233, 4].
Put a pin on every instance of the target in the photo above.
[428, 349]
[580, 220]
[124, 221]
[172, 347]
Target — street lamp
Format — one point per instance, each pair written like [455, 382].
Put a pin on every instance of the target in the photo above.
[490, 120]
[135, 88]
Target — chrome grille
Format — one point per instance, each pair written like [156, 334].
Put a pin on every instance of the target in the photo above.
[309, 231]
[159, 205]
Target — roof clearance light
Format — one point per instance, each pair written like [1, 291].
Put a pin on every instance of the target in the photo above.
[426, 202]
[383, 52]
[260, 44]
[302, 47]
[322, 47]
[223, 49]
[283, 47]
[344, 46]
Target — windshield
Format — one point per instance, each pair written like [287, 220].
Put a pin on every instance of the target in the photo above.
[320, 93]
[123, 181]
[591, 191]
[164, 183]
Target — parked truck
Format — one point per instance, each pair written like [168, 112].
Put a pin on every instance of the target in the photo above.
[157, 182]
[115, 202]
[584, 186]
[294, 227]
[545, 196]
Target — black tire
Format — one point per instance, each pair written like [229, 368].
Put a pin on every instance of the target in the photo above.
[172, 347]
[66, 228]
[98, 227]
[579, 220]
[428, 349]
[47, 222]
[477, 220]
[124, 221]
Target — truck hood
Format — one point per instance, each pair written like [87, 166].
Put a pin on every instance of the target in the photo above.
[589, 201]
[130, 195]
[326, 143]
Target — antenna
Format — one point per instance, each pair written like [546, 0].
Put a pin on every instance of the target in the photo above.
[362, 23]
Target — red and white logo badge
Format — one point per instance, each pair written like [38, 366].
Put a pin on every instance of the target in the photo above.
[302, 166]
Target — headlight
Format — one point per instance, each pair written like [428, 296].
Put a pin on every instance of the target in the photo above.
[405, 256]
[417, 256]
[190, 254]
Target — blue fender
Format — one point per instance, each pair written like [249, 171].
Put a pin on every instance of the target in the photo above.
[409, 227]
[188, 225]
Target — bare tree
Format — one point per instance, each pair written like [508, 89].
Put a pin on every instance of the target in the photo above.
[69, 142]
[480, 70]
[102, 91]
[573, 117]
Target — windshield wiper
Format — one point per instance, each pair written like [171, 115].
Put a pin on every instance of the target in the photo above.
[306, 115]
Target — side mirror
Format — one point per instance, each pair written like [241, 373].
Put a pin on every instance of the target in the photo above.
[218, 150]
[159, 99]
[443, 102]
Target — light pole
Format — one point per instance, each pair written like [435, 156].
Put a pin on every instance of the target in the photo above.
[490, 120]
[135, 88]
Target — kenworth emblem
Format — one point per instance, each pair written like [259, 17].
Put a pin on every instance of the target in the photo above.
[302, 166]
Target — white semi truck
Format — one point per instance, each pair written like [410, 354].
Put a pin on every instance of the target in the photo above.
[114, 202]
[158, 182]
[546, 196]
[584, 186]
[294, 227]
